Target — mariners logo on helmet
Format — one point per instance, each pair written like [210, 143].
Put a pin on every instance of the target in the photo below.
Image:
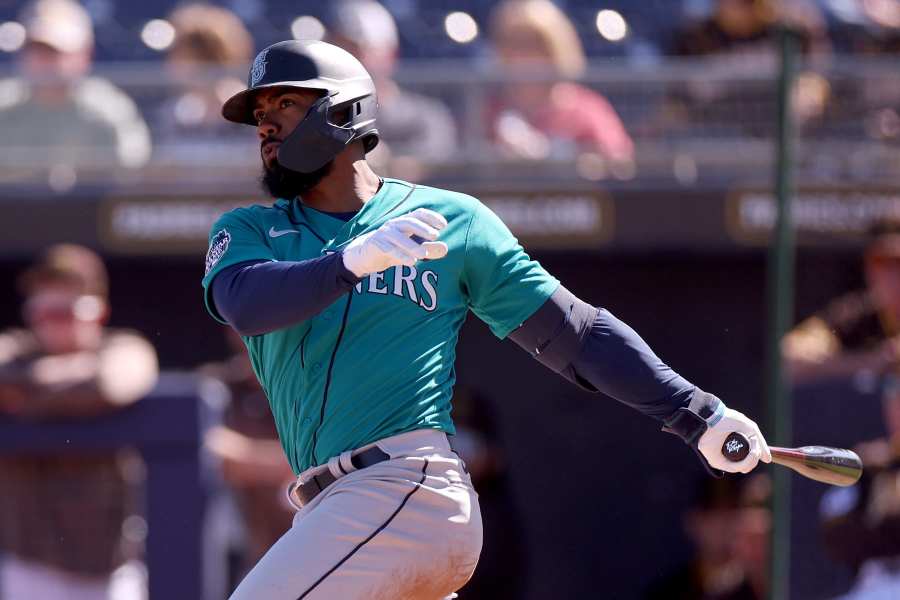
[259, 68]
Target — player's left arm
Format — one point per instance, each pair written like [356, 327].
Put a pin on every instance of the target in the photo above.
[590, 347]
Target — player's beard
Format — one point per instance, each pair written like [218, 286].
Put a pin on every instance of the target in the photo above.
[281, 182]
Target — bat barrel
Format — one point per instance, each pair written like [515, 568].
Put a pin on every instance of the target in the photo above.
[835, 466]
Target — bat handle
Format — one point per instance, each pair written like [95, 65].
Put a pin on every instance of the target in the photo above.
[736, 447]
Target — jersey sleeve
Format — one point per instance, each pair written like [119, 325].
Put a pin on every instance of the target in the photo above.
[504, 285]
[236, 237]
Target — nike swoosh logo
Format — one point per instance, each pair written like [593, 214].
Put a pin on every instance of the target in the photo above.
[276, 233]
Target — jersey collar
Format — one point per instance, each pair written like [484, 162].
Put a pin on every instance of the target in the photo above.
[388, 197]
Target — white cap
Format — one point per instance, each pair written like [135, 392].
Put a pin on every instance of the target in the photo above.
[366, 22]
[62, 24]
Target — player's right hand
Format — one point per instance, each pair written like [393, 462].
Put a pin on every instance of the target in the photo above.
[392, 244]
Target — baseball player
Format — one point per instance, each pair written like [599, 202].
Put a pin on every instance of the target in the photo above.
[349, 292]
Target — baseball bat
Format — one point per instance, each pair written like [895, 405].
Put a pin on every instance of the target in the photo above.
[834, 466]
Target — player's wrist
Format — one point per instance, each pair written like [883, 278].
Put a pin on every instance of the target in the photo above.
[345, 274]
[690, 422]
[352, 261]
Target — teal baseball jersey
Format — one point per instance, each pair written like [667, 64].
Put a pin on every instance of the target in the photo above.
[379, 360]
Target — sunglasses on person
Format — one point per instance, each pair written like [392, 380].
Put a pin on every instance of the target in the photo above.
[63, 309]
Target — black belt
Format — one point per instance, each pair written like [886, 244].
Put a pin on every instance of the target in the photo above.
[303, 493]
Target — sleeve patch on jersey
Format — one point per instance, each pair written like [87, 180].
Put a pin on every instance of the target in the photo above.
[217, 247]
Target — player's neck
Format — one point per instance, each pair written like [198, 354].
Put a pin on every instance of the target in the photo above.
[350, 184]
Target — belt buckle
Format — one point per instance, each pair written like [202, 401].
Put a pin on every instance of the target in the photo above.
[293, 491]
[292, 497]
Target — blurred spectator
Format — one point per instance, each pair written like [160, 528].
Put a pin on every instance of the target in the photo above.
[748, 28]
[211, 46]
[56, 116]
[740, 36]
[859, 331]
[540, 119]
[729, 526]
[865, 26]
[253, 462]
[862, 523]
[477, 441]
[61, 515]
[868, 27]
[414, 129]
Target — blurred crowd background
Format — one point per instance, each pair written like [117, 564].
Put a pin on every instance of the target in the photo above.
[630, 145]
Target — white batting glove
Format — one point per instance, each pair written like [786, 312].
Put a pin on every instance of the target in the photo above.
[392, 244]
[723, 422]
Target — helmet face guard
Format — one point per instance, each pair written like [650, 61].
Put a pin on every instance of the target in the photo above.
[316, 140]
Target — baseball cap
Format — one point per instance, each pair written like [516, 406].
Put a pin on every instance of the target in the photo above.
[61, 24]
[365, 22]
[70, 264]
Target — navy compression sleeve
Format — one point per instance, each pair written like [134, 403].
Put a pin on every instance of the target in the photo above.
[615, 360]
[597, 351]
[257, 297]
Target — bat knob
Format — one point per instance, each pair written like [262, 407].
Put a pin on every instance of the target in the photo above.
[736, 447]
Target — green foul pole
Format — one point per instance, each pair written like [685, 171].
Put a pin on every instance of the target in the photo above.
[780, 316]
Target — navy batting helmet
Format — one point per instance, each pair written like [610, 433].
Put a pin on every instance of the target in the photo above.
[313, 65]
